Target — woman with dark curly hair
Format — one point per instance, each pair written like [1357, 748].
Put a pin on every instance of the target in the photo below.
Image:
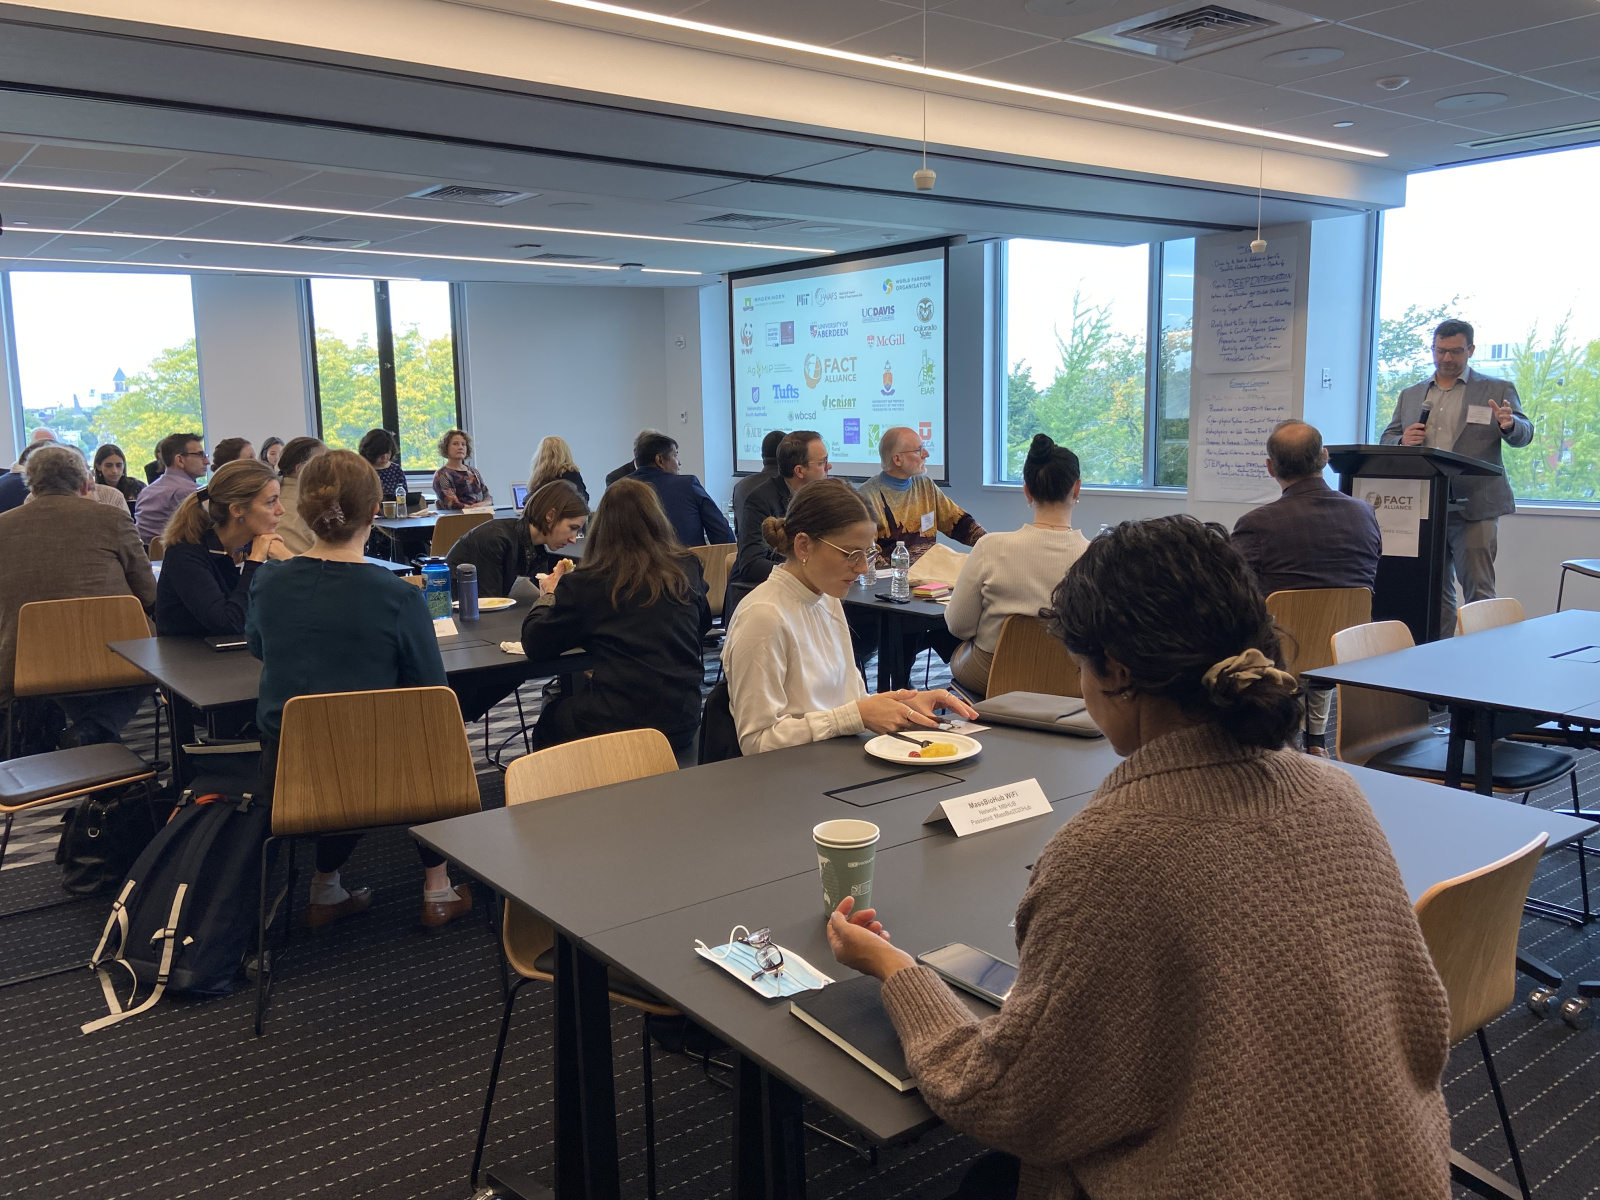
[457, 485]
[1244, 886]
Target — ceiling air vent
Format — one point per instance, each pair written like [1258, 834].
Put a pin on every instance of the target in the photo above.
[327, 243]
[1183, 31]
[1537, 139]
[460, 193]
[744, 221]
[553, 257]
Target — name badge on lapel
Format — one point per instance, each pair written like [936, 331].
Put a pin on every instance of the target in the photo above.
[928, 520]
[1478, 414]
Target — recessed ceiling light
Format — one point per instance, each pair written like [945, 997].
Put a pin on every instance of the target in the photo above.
[1472, 100]
[572, 205]
[528, 246]
[1343, 124]
[405, 217]
[762, 39]
[820, 228]
[80, 249]
[900, 58]
[236, 173]
[1311, 56]
[1392, 83]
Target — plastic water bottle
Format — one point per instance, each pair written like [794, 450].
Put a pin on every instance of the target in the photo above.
[400, 501]
[900, 560]
[870, 575]
[467, 591]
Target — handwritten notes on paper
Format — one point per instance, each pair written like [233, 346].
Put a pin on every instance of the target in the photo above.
[1237, 414]
[1246, 308]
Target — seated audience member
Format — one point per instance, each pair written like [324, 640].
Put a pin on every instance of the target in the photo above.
[791, 677]
[554, 461]
[802, 457]
[637, 604]
[230, 450]
[1015, 573]
[1310, 537]
[270, 450]
[153, 468]
[621, 472]
[214, 543]
[57, 547]
[1308, 1056]
[743, 487]
[185, 460]
[296, 534]
[511, 548]
[382, 449]
[456, 485]
[908, 506]
[690, 510]
[111, 469]
[329, 621]
[14, 484]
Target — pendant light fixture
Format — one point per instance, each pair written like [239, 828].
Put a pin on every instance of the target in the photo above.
[1260, 244]
[924, 178]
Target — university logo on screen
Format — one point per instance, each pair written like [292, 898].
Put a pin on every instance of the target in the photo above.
[878, 340]
[784, 391]
[874, 313]
[830, 329]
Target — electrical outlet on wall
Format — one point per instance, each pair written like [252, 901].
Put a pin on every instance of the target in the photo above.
[1327, 377]
[683, 418]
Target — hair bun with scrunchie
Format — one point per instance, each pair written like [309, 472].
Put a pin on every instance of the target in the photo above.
[329, 519]
[1227, 679]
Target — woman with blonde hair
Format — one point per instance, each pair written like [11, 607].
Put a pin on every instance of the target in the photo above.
[637, 604]
[219, 536]
[554, 461]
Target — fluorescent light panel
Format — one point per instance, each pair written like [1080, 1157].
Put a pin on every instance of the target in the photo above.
[388, 216]
[1020, 89]
[159, 237]
[18, 263]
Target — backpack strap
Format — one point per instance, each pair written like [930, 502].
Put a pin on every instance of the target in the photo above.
[168, 936]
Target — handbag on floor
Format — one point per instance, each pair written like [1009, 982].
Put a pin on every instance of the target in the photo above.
[186, 914]
[102, 837]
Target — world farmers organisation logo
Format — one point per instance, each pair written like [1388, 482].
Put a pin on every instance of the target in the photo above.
[888, 286]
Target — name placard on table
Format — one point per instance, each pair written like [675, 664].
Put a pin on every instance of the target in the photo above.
[1004, 805]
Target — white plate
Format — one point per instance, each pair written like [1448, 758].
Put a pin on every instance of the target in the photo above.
[892, 749]
[490, 603]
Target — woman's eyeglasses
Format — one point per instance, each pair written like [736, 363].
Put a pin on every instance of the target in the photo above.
[856, 560]
[768, 957]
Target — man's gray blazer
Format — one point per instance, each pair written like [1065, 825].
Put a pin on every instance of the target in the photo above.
[1486, 496]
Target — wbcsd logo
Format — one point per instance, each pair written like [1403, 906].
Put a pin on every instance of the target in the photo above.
[886, 339]
[785, 391]
[878, 312]
[800, 416]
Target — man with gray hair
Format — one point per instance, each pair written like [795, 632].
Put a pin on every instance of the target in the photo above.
[58, 547]
[1310, 537]
[908, 506]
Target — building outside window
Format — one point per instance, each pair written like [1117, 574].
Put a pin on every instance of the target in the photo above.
[385, 358]
[104, 357]
[1505, 245]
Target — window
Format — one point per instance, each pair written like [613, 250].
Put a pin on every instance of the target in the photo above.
[1505, 245]
[105, 358]
[385, 355]
[1176, 322]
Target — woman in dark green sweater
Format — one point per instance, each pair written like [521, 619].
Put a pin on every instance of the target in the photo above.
[328, 621]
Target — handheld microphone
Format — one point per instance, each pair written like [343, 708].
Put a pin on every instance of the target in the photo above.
[1427, 407]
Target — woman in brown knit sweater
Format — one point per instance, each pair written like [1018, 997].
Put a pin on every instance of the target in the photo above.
[1222, 991]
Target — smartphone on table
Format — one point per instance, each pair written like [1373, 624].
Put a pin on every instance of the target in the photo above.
[972, 970]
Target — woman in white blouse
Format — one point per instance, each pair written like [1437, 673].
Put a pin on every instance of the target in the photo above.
[791, 676]
[1016, 573]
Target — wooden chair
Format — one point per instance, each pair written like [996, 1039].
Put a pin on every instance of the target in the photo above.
[715, 563]
[1488, 614]
[528, 940]
[352, 761]
[157, 549]
[1471, 924]
[450, 529]
[1311, 616]
[62, 649]
[1028, 659]
[1390, 732]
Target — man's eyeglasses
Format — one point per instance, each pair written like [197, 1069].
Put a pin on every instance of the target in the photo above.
[856, 560]
[768, 957]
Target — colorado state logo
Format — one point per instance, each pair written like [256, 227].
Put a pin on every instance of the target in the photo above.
[925, 309]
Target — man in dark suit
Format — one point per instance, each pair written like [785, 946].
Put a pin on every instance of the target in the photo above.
[694, 515]
[769, 470]
[802, 456]
[1470, 414]
[1309, 537]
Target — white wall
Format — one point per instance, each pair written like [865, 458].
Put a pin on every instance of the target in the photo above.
[584, 363]
[254, 375]
[716, 384]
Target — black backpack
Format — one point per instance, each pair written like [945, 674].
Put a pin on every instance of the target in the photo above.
[186, 915]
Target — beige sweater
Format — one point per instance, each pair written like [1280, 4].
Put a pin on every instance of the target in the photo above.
[1223, 993]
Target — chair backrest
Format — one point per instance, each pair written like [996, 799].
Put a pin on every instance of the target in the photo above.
[1471, 924]
[450, 529]
[715, 563]
[1311, 616]
[1370, 720]
[61, 645]
[158, 549]
[1488, 614]
[357, 760]
[1028, 659]
[573, 767]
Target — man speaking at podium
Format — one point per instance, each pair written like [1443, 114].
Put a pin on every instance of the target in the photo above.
[1471, 414]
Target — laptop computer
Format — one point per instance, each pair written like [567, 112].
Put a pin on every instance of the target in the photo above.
[519, 496]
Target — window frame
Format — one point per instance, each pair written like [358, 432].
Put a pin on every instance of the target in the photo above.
[388, 390]
[1151, 450]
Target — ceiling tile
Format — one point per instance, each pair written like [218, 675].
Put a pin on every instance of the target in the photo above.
[1013, 14]
[1577, 76]
[1263, 104]
[1066, 67]
[1344, 10]
[822, 22]
[94, 158]
[954, 44]
[1369, 128]
[1518, 91]
[1531, 49]
[1171, 87]
[1247, 61]
[1435, 25]
[1528, 117]
[1426, 71]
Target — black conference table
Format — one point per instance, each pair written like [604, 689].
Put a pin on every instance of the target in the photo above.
[1495, 682]
[895, 621]
[631, 875]
[200, 680]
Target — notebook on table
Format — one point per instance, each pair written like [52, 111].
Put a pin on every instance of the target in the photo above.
[850, 1014]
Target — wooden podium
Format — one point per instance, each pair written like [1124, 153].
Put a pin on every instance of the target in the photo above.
[1410, 589]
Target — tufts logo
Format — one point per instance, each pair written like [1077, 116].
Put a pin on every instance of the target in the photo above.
[888, 379]
[784, 391]
[888, 286]
[925, 309]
